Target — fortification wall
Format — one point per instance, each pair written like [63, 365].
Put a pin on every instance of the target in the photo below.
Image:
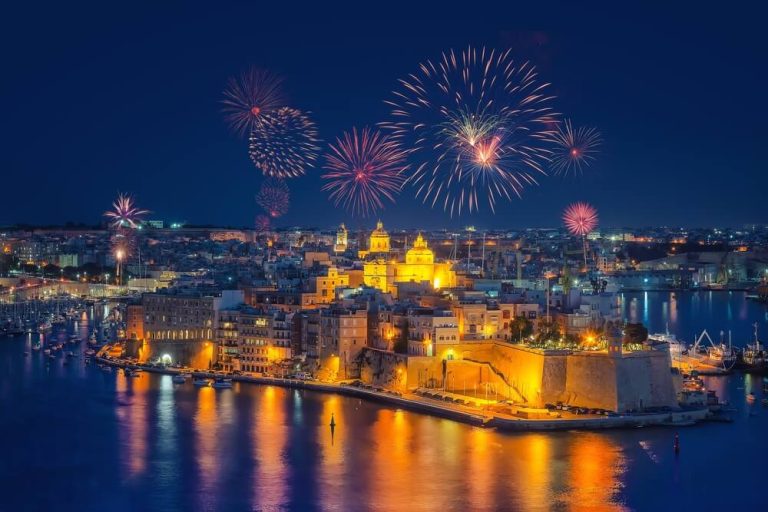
[385, 369]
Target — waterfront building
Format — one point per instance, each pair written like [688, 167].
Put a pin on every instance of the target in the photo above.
[342, 335]
[252, 339]
[134, 322]
[185, 314]
[428, 327]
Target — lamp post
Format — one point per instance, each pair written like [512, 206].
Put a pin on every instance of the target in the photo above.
[548, 275]
[119, 254]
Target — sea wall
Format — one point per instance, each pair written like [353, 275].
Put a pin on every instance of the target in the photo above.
[629, 381]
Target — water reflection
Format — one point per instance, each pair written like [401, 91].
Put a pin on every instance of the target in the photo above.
[269, 442]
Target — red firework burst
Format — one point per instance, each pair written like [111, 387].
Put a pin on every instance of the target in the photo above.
[574, 147]
[274, 197]
[125, 214]
[363, 170]
[580, 218]
[249, 97]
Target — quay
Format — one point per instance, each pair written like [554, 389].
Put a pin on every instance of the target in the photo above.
[477, 416]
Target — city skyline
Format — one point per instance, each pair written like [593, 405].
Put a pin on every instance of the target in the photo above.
[146, 118]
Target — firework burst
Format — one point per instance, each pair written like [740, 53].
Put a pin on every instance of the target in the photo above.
[363, 170]
[124, 213]
[574, 148]
[249, 97]
[479, 123]
[123, 244]
[580, 218]
[284, 144]
[262, 223]
[274, 197]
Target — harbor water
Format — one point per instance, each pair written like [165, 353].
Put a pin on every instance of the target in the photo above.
[76, 438]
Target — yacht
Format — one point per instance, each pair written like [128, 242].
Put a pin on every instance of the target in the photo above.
[204, 383]
[180, 378]
[221, 383]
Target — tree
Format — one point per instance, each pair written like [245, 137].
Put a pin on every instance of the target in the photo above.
[635, 333]
[520, 327]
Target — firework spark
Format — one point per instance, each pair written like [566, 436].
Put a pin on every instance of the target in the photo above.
[284, 144]
[249, 97]
[262, 223]
[123, 244]
[274, 197]
[580, 218]
[125, 214]
[363, 170]
[480, 123]
[574, 148]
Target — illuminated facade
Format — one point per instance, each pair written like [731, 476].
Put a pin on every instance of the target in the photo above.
[384, 273]
[341, 240]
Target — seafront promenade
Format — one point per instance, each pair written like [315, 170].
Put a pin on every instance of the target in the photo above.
[481, 414]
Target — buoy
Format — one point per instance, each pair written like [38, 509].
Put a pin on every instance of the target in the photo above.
[677, 443]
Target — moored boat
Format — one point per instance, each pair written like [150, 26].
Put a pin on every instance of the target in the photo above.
[201, 382]
[222, 383]
[180, 378]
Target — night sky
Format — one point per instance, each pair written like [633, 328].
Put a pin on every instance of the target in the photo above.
[100, 99]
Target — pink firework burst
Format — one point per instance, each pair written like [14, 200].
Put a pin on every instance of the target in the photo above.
[274, 197]
[575, 148]
[580, 218]
[363, 170]
[124, 213]
[250, 96]
[262, 223]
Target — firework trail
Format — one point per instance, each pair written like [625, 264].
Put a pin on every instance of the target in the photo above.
[274, 197]
[249, 97]
[574, 148]
[479, 124]
[284, 144]
[124, 213]
[580, 218]
[363, 170]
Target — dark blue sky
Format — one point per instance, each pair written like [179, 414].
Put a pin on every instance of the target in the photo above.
[100, 99]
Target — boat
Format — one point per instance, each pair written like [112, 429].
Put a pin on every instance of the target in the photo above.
[704, 357]
[92, 340]
[44, 327]
[36, 347]
[753, 357]
[70, 354]
[201, 382]
[221, 383]
[179, 378]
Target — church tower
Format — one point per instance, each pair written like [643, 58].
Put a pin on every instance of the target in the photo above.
[341, 240]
